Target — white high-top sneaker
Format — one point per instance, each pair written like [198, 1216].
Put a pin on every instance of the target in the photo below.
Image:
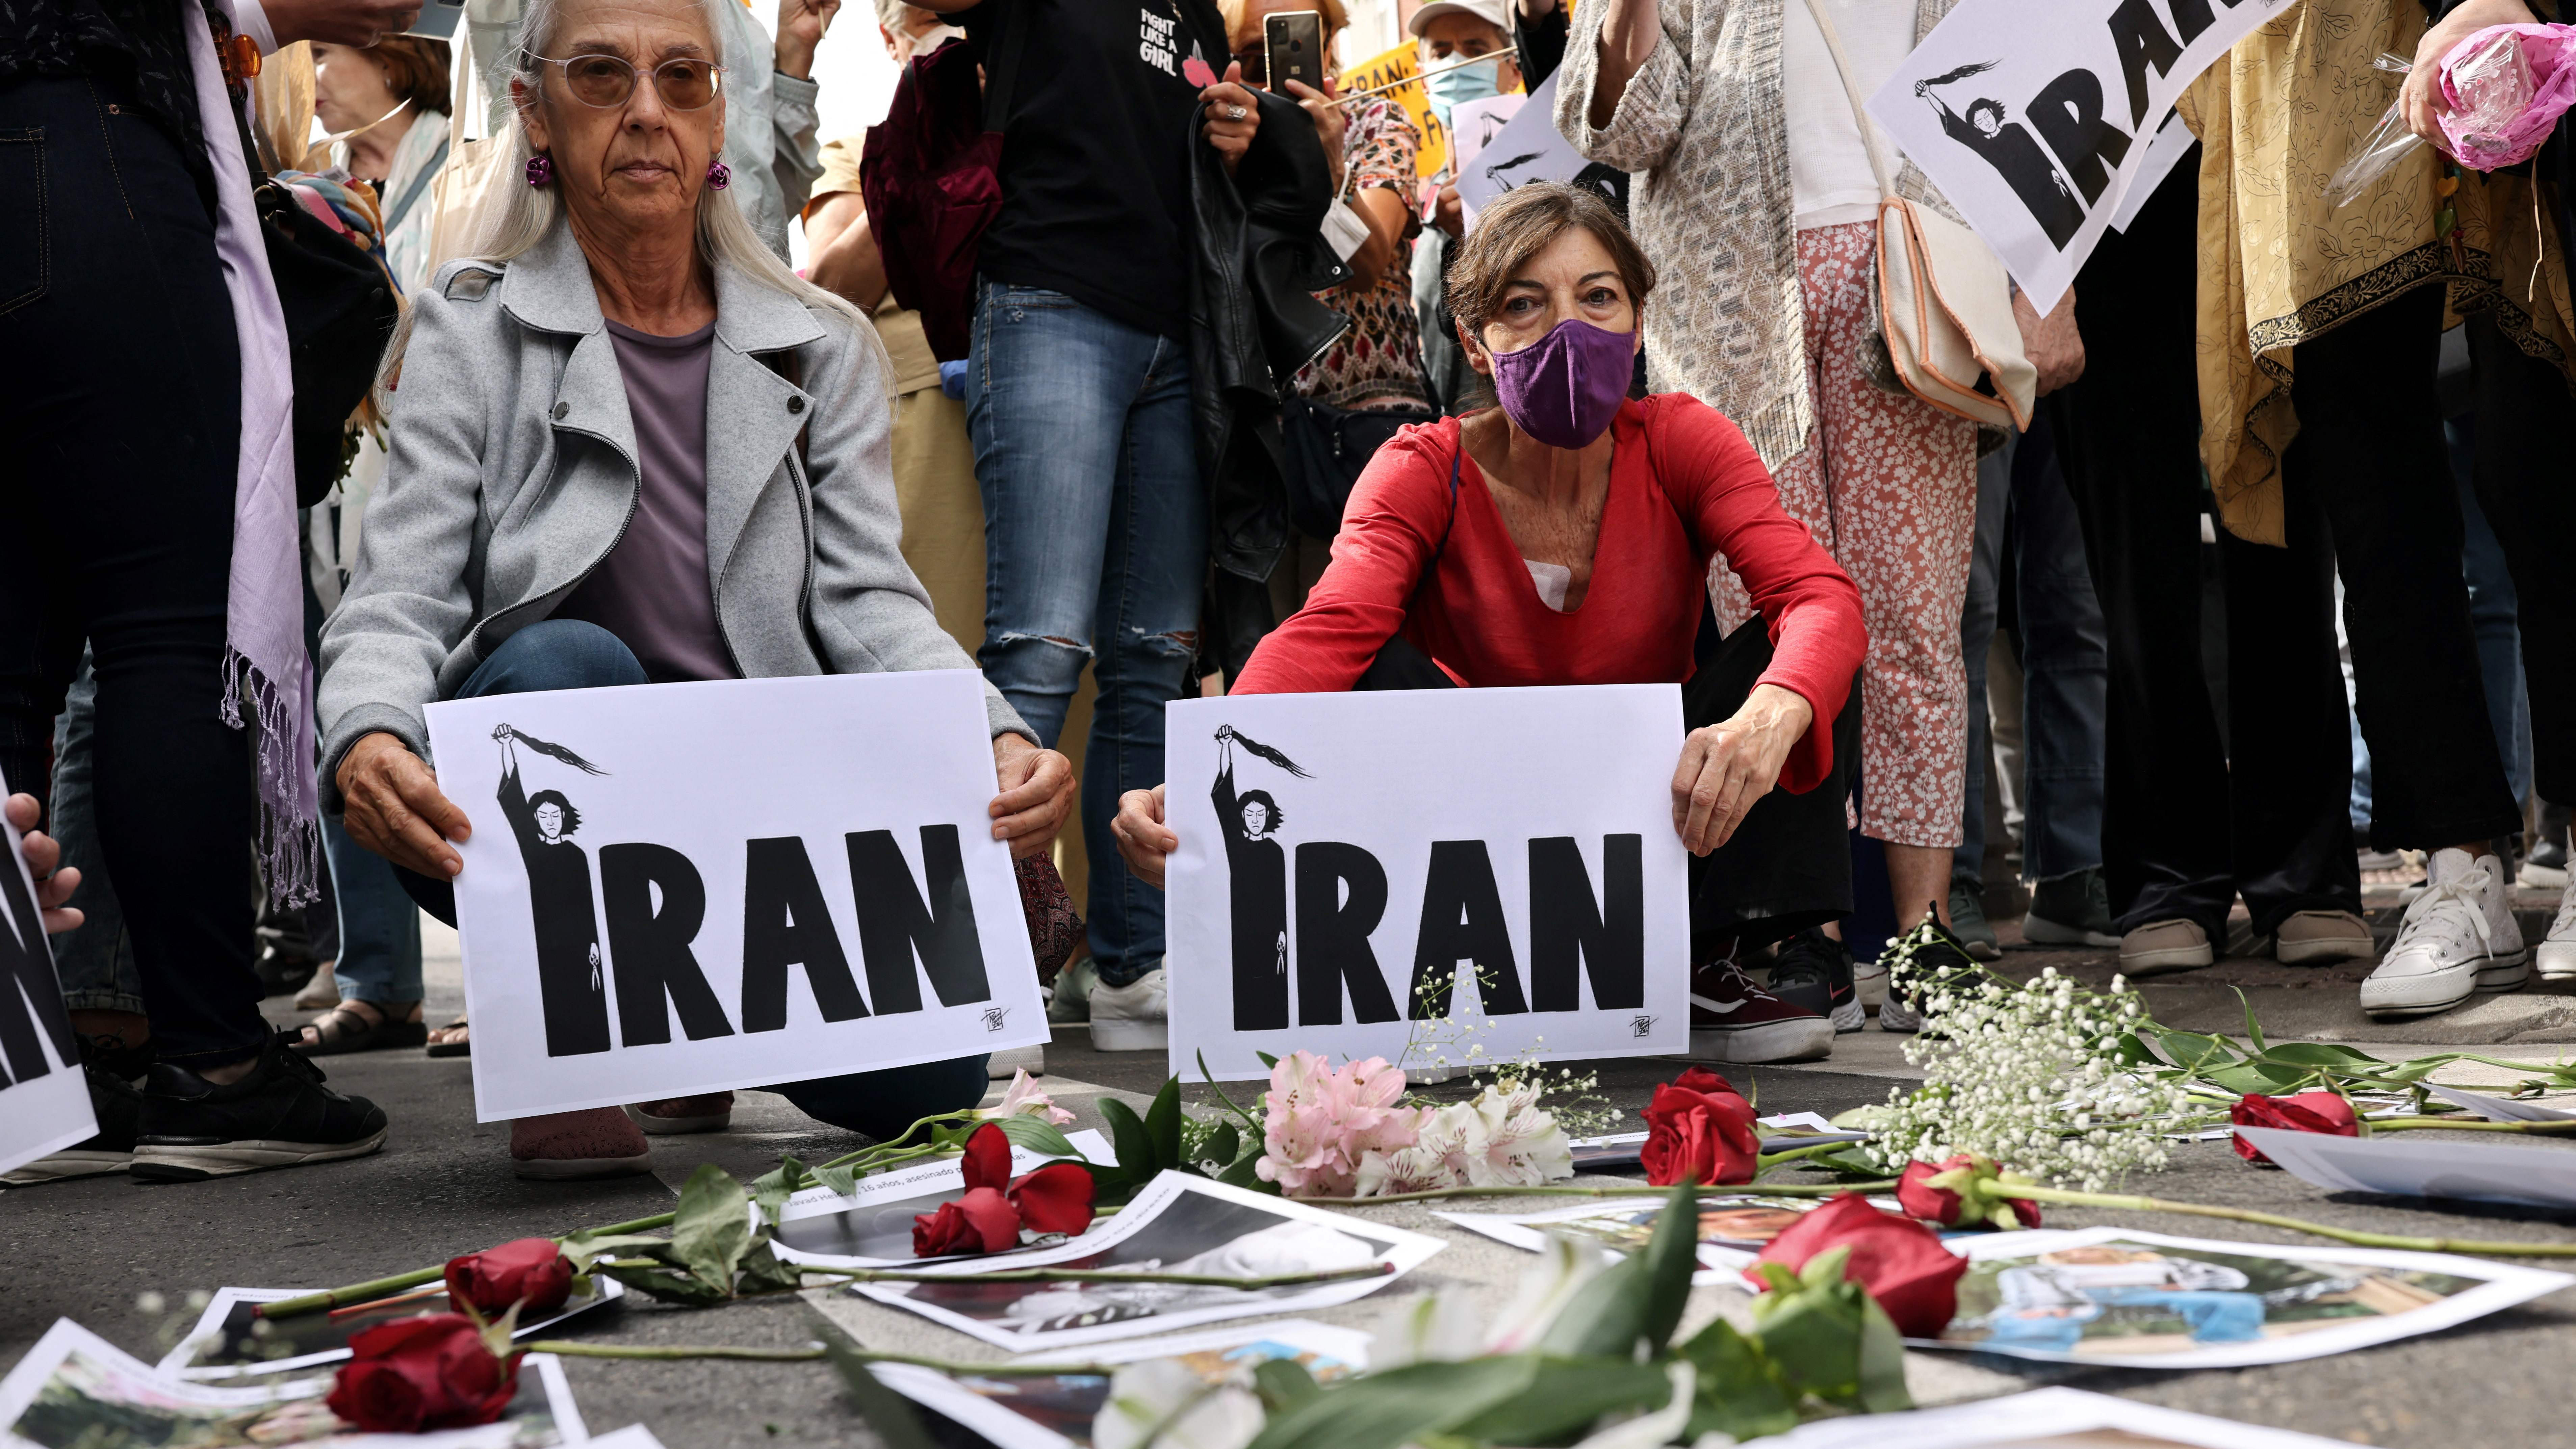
[2558, 948]
[2458, 938]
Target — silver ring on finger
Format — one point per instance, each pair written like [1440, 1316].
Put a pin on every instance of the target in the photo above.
[1234, 113]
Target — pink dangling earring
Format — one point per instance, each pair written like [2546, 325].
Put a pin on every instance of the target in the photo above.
[719, 175]
[541, 170]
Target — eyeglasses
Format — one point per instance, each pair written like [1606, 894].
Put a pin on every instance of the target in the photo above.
[607, 81]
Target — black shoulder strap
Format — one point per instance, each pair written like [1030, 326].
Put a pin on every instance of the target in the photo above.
[1002, 77]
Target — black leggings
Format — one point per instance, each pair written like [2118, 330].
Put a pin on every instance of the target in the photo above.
[120, 403]
[1789, 865]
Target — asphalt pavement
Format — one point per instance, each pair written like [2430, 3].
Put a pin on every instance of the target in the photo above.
[443, 1186]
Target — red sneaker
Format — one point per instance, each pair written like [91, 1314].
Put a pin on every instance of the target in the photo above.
[597, 1142]
[1734, 1020]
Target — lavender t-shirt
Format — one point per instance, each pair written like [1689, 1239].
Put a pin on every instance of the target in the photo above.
[652, 590]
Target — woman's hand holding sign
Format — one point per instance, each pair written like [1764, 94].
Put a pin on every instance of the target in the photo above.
[1037, 793]
[395, 808]
[1729, 765]
[1144, 840]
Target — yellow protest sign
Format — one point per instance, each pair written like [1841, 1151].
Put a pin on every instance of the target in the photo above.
[1398, 65]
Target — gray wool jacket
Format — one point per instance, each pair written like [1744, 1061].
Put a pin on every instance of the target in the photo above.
[513, 474]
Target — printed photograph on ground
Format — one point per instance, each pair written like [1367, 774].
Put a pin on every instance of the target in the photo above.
[2141, 1299]
[872, 1228]
[230, 1339]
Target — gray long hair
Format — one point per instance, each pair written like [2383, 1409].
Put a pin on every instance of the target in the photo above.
[522, 215]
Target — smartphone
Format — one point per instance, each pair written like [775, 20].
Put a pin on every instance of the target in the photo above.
[438, 19]
[1293, 49]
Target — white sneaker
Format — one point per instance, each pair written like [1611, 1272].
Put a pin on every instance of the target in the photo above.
[1135, 1017]
[2558, 948]
[2458, 938]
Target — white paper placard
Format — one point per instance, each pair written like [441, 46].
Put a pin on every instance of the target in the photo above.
[1440, 867]
[1178, 1224]
[741, 883]
[2496, 1107]
[2057, 1418]
[2124, 1298]
[1528, 148]
[44, 1095]
[2030, 114]
[872, 1226]
[2405, 1166]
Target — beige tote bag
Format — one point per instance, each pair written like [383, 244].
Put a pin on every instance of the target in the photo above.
[1945, 300]
[462, 197]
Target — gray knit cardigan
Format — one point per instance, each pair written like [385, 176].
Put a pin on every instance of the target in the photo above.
[1703, 127]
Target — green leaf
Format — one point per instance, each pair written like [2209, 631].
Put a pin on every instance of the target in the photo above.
[666, 1285]
[2253, 1028]
[1882, 1361]
[843, 1181]
[763, 1273]
[1267, 1060]
[1037, 1135]
[885, 1411]
[1605, 1317]
[2194, 1051]
[1671, 1257]
[1245, 1172]
[770, 1191]
[1283, 1384]
[2320, 1054]
[1224, 1145]
[2255, 1077]
[1163, 1127]
[1398, 1406]
[1847, 1162]
[1128, 1137]
[1739, 1393]
[711, 1232]
[1565, 1396]
[583, 1248]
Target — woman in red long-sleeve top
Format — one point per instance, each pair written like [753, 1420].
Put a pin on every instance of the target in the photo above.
[1565, 538]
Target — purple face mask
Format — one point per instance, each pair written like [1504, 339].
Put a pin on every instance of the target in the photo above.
[1564, 388]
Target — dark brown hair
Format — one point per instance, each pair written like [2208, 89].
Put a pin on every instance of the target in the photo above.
[415, 70]
[1518, 226]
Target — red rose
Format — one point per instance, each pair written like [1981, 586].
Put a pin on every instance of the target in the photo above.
[983, 1221]
[1698, 1129]
[1894, 1259]
[1920, 1199]
[1054, 1199]
[988, 1158]
[2325, 1112]
[529, 1271]
[429, 1372]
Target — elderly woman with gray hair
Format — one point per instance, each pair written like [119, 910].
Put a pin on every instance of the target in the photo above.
[629, 446]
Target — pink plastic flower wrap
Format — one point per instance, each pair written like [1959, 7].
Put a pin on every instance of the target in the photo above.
[1322, 1122]
[2506, 87]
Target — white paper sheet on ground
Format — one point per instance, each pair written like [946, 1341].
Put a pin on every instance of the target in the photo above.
[1529, 891]
[1178, 1224]
[44, 1095]
[770, 879]
[1974, 103]
[2407, 1166]
[2144, 1300]
[2043, 1419]
[872, 1227]
[633, 1436]
[1056, 1411]
[227, 1341]
[2498, 1108]
[74, 1384]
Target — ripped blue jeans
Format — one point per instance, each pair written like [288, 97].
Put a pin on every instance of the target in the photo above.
[1095, 547]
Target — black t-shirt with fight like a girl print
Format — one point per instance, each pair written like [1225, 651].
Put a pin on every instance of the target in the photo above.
[1095, 160]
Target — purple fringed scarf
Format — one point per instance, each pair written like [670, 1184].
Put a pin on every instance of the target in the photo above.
[264, 656]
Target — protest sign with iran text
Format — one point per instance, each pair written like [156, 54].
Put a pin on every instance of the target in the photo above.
[678, 888]
[1410, 874]
[2033, 116]
[44, 1096]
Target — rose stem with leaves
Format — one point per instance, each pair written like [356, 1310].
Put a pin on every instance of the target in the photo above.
[2128, 1203]
[379, 1287]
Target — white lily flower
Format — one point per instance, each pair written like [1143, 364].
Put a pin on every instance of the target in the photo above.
[1548, 1283]
[1165, 1400]
[1023, 1099]
[1427, 1328]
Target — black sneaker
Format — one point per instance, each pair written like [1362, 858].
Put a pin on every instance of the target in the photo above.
[1814, 970]
[1968, 920]
[1734, 1020]
[1918, 962]
[278, 1116]
[2072, 910]
[118, 1108]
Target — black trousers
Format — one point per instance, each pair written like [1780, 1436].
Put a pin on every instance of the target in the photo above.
[1789, 865]
[120, 406]
[2182, 833]
[2526, 481]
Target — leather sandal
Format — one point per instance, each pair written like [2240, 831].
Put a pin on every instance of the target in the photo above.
[342, 1030]
[456, 1045]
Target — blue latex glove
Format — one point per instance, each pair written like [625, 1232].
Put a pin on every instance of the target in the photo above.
[952, 379]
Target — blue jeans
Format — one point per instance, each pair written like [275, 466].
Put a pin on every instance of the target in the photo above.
[2028, 535]
[576, 654]
[2494, 612]
[1095, 548]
